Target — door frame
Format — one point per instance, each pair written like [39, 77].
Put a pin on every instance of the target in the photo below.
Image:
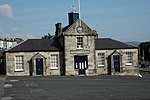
[32, 65]
[110, 63]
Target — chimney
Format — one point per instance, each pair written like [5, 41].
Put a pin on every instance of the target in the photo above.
[73, 17]
[58, 29]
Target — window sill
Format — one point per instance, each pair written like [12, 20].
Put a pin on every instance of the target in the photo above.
[79, 48]
[101, 66]
[129, 64]
[21, 70]
[55, 68]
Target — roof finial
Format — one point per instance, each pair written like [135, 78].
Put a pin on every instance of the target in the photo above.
[73, 8]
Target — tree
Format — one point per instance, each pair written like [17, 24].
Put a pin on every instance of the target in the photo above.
[48, 36]
[145, 51]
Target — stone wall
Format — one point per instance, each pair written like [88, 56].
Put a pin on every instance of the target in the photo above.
[10, 64]
[71, 51]
[124, 68]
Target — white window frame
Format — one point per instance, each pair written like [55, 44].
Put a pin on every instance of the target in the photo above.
[79, 42]
[129, 58]
[54, 61]
[101, 59]
[19, 63]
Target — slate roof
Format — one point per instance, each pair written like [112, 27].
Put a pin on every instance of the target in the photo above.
[37, 45]
[108, 43]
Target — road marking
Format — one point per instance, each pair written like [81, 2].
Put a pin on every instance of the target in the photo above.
[14, 80]
[7, 85]
[34, 88]
[30, 84]
[6, 98]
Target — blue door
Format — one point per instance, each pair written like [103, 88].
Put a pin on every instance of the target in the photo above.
[116, 63]
[82, 68]
[39, 66]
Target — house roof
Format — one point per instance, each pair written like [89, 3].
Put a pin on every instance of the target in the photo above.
[108, 43]
[1, 39]
[37, 45]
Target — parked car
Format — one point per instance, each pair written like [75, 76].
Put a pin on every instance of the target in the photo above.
[145, 65]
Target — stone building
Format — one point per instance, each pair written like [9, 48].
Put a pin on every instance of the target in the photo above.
[74, 50]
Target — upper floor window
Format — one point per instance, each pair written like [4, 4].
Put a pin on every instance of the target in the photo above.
[79, 42]
[1, 44]
[5, 45]
[54, 61]
[129, 57]
[101, 59]
[19, 62]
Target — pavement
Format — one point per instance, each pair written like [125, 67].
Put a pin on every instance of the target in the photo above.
[103, 87]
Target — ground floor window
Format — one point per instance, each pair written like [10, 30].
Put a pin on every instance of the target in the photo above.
[54, 61]
[129, 57]
[19, 62]
[101, 59]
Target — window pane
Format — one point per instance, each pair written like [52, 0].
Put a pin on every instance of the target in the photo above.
[54, 61]
[19, 62]
[129, 58]
[80, 42]
[101, 59]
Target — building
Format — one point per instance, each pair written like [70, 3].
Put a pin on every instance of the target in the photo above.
[8, 43]
[74, 50]
[1, 44]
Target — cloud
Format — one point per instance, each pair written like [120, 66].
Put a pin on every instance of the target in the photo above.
[17, 35]
[6, 10]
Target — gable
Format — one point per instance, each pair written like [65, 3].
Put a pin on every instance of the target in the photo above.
[115, 52]
[73, 29]
[38, 55]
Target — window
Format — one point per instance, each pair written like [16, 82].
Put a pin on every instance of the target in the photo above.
[19, 63]
[129, 58]
[101, 59]
[54, 61]
[5, 45]
[79, 42]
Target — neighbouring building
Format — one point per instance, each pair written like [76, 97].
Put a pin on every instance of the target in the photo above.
[74, 50]
[8, 43]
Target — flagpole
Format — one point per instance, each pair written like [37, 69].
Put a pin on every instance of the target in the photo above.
[79, 12]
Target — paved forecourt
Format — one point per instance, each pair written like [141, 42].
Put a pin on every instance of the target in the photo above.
[76, 88]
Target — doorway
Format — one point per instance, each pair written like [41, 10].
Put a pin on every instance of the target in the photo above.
[81, 63]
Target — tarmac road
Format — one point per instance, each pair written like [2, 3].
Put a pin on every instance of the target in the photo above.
[77, 88]
[2, 80]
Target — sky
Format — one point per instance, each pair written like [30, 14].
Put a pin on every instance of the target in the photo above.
[124, 20]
